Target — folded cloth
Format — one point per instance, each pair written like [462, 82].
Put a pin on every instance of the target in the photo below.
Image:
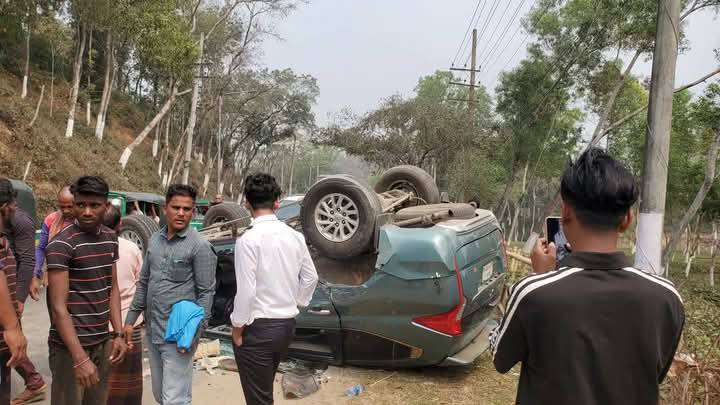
[185, 317]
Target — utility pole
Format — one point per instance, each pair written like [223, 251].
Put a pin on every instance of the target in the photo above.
[473, 69]
[657, 139]
[193, 114]
[471, 93]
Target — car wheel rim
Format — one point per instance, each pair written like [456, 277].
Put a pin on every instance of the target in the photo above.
[337, 217]
[133, 236]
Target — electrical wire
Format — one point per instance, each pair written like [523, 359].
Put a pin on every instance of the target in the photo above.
[499, 22]
[496, 46]
[467, 31]
[482, 32]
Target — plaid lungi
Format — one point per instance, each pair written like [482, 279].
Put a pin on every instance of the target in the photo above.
[125, 383]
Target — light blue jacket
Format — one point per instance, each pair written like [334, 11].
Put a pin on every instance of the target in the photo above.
[182, 326]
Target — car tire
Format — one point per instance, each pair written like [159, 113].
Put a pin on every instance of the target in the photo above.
[410, 179]
[226, 212]
[457, 211]
[138, 229]
[359, 208]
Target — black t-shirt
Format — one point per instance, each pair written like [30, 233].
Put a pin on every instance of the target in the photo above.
[597, 331]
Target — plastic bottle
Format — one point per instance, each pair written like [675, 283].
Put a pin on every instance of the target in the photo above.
[355, 390]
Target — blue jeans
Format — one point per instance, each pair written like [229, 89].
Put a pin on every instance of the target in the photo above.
[171, 374]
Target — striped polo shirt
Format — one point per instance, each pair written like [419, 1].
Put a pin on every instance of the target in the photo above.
[7, 265]
[88, 257]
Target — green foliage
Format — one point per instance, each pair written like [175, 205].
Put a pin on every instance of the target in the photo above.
[404, 131]
[165, 46]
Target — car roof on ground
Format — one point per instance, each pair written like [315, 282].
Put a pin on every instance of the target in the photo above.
[139, 196]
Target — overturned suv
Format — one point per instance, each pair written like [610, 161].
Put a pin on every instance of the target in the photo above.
[405, 280]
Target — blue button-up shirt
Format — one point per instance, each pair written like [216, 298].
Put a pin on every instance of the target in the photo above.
[181, 268]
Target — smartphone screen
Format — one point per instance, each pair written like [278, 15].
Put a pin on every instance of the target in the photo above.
[555, 234]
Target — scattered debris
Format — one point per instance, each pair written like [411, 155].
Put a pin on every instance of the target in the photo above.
[355, 390]
[207, 348]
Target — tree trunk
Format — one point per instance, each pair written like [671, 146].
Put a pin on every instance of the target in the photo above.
[610, 104]
[37, 109]
[88, 112]
[144, 133]
[107, 88]
[713, 254]
[156, 141]
[514, 226]
[27, 61]
[710, 166]
[193, 115]
[77, 70]
[52, 78]
[219, 147]
[502, 204]
[292, 164]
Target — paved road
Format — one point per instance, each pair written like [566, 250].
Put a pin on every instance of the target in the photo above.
[221, 388]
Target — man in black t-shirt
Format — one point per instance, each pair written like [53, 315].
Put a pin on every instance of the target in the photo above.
[84, 297]
[596, 330]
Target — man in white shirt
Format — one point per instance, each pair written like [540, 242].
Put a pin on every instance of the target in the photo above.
[275, 275]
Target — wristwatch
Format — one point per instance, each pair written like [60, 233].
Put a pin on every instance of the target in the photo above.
[117, 335]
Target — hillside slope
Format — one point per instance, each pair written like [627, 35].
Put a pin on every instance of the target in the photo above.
[56, 160]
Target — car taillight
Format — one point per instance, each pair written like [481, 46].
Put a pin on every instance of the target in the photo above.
[449, 323]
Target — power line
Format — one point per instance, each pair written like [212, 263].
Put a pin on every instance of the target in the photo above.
[544, 11]
[499, 21]
[489, 19]
[495, 46]
[467, 31]
[475, 24]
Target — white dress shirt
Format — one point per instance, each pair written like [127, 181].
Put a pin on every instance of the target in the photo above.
[274, 272]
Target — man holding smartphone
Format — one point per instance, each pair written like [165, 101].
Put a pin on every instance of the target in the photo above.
[590, 329]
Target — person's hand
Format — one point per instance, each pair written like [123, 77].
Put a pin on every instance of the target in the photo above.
[128, 330]
[119, 348]
[86, 373]
[543, 256]
[15, 340]
[20, 308]
[237, 335]
[35, 287]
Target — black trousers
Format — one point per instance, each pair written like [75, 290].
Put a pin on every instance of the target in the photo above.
[265, 344]
[4, 379]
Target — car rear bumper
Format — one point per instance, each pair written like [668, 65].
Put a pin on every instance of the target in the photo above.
[474, 349]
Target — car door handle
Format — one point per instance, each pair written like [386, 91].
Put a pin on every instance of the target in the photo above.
[318, 311]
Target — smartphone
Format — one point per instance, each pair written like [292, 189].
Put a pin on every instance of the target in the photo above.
[554, 233]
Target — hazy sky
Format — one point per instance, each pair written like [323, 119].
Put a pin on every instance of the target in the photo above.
[362, 51]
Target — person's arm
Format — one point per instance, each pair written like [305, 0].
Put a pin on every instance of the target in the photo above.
[204, 266]
[308, 277]
[138, 303]
[40, 250]
[58, 257]
[674, 334]
[508, 345]
[24, 254]
[118, 343]
[245, 270]
[12, 333]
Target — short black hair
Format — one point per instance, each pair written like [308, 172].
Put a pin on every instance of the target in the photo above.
[112, 217]
[184, 190]
[7, 191]
[599, 188]
[261, 190]
[90, 185]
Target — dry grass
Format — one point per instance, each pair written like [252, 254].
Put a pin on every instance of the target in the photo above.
[55, 159]
[475, 384]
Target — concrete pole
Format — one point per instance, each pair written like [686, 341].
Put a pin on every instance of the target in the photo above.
[657, 140]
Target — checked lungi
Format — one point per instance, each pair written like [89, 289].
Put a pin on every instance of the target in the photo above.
[125, 383]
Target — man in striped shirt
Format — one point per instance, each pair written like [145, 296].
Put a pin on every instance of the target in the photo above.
[84, 297]
[596, 330]
[12, 341]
